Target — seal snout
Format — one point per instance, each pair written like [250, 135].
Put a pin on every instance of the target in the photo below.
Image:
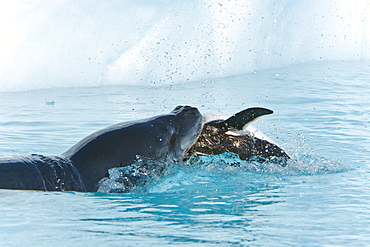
[186, 108]
[189, 115]
[188, 120]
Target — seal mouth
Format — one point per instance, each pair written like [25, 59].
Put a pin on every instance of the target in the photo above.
[189, 142]
[190, 127]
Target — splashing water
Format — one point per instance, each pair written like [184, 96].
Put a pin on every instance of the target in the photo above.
[136, 177]
[143, 176]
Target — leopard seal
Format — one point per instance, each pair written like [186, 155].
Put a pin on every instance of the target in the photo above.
[164, 138]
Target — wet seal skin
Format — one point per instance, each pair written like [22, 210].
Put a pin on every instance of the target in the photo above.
[161, 138]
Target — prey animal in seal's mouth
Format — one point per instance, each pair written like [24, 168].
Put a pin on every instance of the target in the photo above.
[231, 135]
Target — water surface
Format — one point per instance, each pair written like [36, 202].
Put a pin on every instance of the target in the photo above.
[321, 198]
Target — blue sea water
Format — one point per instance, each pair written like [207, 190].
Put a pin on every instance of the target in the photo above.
[69, 68]
[320, 199]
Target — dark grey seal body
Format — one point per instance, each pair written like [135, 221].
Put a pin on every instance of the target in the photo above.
[37, 172]
[219, 136]
[163, 138]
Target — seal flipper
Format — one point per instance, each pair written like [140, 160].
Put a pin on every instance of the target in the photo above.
[240, 119]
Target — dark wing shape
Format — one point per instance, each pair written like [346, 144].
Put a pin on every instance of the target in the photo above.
[240, 119]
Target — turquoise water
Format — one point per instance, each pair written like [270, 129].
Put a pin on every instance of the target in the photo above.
[321, 198]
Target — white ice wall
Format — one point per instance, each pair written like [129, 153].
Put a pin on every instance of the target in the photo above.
[62, 43]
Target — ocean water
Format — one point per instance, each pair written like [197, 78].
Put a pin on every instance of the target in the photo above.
[321, 198]
[69, 68]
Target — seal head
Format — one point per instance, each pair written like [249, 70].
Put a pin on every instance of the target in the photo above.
[164, 138]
